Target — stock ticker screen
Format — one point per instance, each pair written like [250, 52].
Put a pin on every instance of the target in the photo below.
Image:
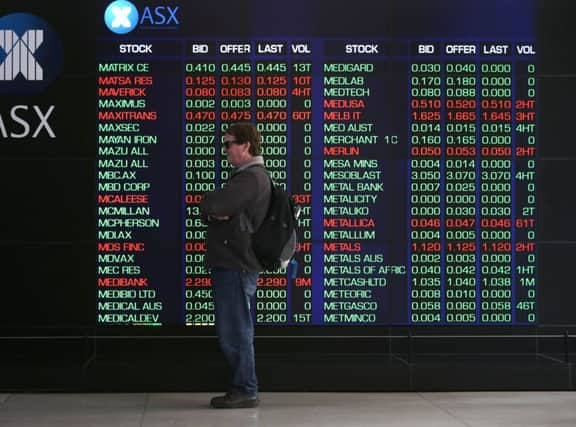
[407, 132]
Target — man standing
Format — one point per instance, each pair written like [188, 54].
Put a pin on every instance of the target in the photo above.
[232, 214]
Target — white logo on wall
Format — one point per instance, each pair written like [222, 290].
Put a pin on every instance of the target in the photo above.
[30, 61]
[121, 17]
[30, 55]
[20, 55]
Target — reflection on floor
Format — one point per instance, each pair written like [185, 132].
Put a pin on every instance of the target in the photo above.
[471, 409]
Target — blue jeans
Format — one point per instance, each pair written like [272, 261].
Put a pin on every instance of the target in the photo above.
[232, 291]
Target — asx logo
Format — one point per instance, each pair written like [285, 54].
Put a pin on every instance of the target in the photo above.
[30, 54]
[30, 60]
[19, 57]
[121, 17]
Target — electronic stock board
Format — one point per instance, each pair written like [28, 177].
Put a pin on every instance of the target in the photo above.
[406, 130]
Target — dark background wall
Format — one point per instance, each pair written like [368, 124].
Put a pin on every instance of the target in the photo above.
[47, 254]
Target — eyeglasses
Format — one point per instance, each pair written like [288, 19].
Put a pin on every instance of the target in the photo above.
[227, 144]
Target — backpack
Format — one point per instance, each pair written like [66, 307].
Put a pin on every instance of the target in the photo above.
[274, 243]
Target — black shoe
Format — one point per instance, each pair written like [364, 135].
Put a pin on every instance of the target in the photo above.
[234, 400]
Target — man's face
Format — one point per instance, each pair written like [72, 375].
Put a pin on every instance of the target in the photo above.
[237, 154]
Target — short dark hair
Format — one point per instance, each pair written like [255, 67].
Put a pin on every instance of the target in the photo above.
[246, 132]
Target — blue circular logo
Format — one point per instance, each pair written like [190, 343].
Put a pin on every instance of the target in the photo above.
[121, 16]
[30, 54]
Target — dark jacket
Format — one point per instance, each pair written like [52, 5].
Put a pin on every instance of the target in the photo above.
[245, 199]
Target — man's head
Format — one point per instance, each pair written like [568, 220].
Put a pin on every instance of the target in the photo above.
[242, 143]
